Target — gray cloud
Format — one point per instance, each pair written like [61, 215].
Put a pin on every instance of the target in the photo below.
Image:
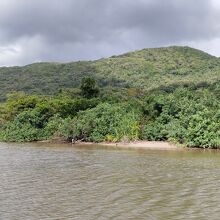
[54, 30]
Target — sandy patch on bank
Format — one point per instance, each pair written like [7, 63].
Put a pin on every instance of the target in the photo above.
[143, 144]
[160, 145]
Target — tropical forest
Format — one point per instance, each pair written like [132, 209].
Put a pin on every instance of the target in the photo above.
[160, 94]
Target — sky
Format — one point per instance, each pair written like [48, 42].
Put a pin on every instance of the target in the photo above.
[70, 30]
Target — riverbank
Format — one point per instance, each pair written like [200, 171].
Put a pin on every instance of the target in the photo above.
[143, 145]
[163, 145]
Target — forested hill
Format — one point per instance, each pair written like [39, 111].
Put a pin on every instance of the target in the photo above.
[170, 94]
[149, 69]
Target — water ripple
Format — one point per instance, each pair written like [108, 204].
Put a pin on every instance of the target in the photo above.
[56, 182]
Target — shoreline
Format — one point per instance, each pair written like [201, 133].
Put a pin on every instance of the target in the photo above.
[138, 145]
[154, 145]
[141, 144]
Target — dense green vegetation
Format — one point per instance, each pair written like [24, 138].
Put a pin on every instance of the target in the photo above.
[153, 94]
[148, 69]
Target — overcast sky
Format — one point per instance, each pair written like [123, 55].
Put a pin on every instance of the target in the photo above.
[67, 30]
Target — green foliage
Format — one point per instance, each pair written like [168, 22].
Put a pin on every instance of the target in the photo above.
[20, 131]
[42, 78]
[59, 127]
[89, 87]
[154, 94]
[108, 122]
[186, 117]
[204, 130]
[148, 69]
[30, 118]
[19, 102]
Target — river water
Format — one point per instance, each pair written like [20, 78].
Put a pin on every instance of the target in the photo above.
[41, 181]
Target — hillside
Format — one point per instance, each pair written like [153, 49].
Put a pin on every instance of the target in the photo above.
[177, 99]
[149, 69]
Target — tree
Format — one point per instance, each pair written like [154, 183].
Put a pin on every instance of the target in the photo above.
[89, 88]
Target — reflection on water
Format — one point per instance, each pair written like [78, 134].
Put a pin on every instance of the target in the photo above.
[64, 182]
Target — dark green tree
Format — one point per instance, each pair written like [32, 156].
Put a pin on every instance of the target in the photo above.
[89, 88]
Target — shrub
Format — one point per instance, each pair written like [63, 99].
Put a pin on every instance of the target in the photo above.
[203, 130]
[108, 122]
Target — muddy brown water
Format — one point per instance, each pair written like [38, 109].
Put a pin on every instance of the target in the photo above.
[60, 182]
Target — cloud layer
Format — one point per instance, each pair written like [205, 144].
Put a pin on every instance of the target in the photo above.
[54, 30]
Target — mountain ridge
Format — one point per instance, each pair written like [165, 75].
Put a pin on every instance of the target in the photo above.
[148, 69]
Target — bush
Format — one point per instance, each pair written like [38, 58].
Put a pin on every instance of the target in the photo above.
[203, 130]
[108, 123]
[89, 87]
[15, 131]
[59, 127]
